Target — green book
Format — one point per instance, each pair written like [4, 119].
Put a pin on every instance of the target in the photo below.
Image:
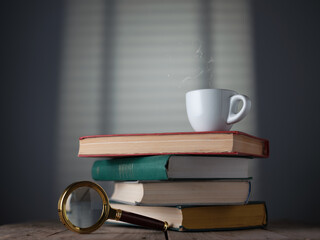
[165, 167]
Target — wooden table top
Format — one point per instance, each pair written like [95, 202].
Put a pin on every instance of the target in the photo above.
[55, 230]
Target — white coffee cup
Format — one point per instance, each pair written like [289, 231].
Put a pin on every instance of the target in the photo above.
[215, 109]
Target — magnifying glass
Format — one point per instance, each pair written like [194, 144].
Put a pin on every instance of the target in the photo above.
[83, 207]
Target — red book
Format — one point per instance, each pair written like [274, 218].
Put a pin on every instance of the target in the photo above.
[178, 143]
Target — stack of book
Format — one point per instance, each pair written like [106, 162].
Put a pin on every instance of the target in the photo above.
[196, 181]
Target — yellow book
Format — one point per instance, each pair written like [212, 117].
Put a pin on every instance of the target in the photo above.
[205, 218]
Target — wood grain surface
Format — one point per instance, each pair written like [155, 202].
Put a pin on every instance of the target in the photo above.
[56, 231]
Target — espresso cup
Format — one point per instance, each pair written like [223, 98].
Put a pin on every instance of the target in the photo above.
[215, 109]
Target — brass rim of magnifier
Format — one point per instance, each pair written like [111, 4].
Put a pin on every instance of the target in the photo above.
[62, 207]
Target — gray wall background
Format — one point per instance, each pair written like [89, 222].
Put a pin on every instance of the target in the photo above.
[286, 39]
[287, 64]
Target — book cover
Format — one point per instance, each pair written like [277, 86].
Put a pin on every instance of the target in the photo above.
[174, 193]
[193, 143]
[167, 167]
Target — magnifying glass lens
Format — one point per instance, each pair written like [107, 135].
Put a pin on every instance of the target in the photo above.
[84, 207]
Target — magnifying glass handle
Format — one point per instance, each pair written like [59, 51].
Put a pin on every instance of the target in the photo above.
[141, 220]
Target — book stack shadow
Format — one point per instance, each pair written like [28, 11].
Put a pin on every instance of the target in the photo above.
[197, 181]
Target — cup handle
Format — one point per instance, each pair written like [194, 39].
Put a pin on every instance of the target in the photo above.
[235, 116]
